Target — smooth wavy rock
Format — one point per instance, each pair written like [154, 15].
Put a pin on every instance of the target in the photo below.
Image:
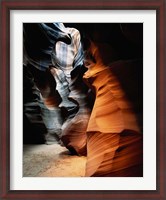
[68, 71]
[114, 155]
[114, 132]
[75, 113]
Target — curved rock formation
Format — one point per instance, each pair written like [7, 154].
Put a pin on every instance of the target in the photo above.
[75, 112]
[54, 55]
[114, 132]
[39, 43]
[68, 70]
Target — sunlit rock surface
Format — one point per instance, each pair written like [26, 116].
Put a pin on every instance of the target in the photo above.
[114, 132]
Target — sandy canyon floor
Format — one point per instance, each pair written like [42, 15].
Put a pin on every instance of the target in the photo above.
[51, 161]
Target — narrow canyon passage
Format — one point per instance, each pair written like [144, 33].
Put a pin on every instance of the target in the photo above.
[83, 88]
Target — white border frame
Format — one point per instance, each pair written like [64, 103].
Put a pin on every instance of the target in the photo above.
[17, 18]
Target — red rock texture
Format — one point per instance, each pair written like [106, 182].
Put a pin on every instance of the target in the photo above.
[114, 132]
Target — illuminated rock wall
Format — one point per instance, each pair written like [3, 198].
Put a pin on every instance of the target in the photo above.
[95, 108]
[114, 132]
